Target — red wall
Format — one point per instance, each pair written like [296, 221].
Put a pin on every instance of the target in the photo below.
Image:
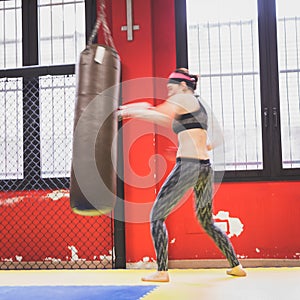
[268, 212]
[40, 226]
[150, 54]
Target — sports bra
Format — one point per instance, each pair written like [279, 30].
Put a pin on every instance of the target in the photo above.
[196, 119]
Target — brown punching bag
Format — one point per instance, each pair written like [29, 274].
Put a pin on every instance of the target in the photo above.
[93, 172]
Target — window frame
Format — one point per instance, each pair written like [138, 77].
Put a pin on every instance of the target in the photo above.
[269, 90]
[30, 71]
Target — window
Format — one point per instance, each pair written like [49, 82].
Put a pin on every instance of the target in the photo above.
[223, 49]
[37, 103]
[62, 38]
[61, 31]
[256, 104]
[57, 98]
[10, 34]
[11, 129]
[288, 32]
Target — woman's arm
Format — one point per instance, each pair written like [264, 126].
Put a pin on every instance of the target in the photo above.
[149, 114]
[161, 114]
[217, 137]
[136, 105]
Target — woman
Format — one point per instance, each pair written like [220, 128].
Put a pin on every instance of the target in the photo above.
[192, 168]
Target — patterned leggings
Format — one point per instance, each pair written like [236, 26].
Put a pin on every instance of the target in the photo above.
[187, 173]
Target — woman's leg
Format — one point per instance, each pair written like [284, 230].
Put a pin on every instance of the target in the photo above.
[170, 194]
[182, 177]
[203, 192]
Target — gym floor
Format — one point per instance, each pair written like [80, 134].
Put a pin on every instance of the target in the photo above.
[260, 284]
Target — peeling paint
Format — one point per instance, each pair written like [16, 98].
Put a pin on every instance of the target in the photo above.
[58, 194]
[145, 263]
[297, 255]
[52, 259]
[11, 201]
[173, 241]
[54, 196]
[7, 259]
[106, 257]
[19, 258]
[74, 251]
[232, 226]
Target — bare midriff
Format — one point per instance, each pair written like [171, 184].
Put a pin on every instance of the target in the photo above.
[192, 144]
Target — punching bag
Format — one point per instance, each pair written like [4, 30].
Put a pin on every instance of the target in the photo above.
[93, 175]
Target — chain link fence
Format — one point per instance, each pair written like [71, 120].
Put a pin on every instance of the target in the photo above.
[38, 229]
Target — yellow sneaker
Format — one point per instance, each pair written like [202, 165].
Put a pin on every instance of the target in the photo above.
[237, 271]
[158, 276]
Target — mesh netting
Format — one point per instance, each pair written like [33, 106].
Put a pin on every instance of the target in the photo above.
[38, 229]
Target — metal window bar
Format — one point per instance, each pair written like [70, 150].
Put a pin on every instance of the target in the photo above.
[289, 73]
[287, 88]
[11, 129]
[58, 46]
[11, 46]
[232, 88]
[256, 100]
[57, 129]
[233, 63]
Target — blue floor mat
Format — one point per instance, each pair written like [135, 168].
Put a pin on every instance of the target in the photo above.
[74, 292]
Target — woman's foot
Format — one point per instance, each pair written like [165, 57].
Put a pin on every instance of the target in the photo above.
[158, 276]
[237, 271]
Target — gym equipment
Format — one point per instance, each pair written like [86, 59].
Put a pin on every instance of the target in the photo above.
[93, 176]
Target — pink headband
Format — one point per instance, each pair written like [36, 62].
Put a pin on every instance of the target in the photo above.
[180, 76]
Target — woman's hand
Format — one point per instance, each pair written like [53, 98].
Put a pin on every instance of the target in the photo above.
[128, 111]
[209, 147]
[123, 114]
[143, 111]
[137, 105]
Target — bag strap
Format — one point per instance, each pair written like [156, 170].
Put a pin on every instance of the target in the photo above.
[101, 19]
